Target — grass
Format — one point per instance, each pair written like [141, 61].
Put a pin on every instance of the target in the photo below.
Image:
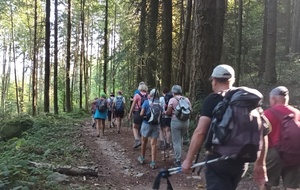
[50, 140]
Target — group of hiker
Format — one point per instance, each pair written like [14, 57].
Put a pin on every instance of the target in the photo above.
[232, 126]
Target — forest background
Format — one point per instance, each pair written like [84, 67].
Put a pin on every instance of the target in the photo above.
[58, 55]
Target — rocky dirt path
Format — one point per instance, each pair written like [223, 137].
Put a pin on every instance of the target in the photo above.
[120, 170]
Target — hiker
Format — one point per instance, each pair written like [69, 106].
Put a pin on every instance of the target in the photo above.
[224, 174]
[101, 113]
[135, 110]
[165, 132]
[150, 126]
[136, 91]
[93, 110]
[178, 127]
[276, 167]
[110, 113]
[119, 107]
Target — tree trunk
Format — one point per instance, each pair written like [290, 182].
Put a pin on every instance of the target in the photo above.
[4, 76]
[68, 95]
[262, 64]
[105, 47]
[141, 42]
[14, 58]
[221, 7]
[152, 45]
[167, 43]
[203, 55]
[270, 72]
[34, 67]
[239, 43]
[82, 55]
[296, 29]
[288, 27]
[55, 74]
[184, 44]
[47, 58]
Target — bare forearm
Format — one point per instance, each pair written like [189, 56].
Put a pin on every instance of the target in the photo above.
[196, 143]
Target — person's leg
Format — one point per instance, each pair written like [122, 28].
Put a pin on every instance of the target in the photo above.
[161, 137]
[103, 126]
[143, 146]
[137, 121]
[168, 135]
[109, 118]
[290, 177]
[274, 168]
[177, 140]
[98, 126]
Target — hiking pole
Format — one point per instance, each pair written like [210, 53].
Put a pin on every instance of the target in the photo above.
[165, 173]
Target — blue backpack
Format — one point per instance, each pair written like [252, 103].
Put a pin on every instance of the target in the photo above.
[119, 104]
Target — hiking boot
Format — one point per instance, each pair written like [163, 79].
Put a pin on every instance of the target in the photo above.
[152, 165]
[137, 144]
[177, 163]
[141, 159]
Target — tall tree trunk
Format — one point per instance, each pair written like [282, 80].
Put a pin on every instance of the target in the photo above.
[239, 43]
[47, 58]
[262, 63]
[68, 95]
[34, 68]
[14, 58]
[270, 73]
[167, 43]
[105, 51]
[141, 42]
[203, 55]
[152, 44]
[288, 26]
[82, 56]
[55, 74]
[23, 83]
[296, 29]
[184, 45]
[221, 6]
[3, 78]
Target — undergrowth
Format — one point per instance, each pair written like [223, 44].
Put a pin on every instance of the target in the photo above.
[51, 141]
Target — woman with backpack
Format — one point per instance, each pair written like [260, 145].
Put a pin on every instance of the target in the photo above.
[151, 113]
[179, 125]
[119, 109]
[101, 113]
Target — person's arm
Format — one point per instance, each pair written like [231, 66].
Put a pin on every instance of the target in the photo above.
[170, 108]
[260, 170]
[198, 138]
[132, 107]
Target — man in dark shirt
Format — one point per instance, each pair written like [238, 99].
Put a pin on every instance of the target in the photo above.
[222, 175]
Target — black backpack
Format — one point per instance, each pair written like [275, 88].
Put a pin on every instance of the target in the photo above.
[237, 124]
[102, 105]
[167, 98]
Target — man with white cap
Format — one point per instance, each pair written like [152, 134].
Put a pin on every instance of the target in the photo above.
[276, 168]
[226, 174]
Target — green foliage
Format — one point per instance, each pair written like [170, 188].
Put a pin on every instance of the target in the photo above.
[50, 140]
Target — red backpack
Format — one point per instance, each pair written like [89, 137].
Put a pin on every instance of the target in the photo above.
[289, 140]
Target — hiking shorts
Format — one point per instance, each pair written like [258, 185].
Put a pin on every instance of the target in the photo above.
[137, 118]
[276, 169]
[223, 175]
[165, 122]
[148, 130]
[119, 114]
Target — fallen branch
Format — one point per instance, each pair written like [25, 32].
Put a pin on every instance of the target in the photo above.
[69, 170]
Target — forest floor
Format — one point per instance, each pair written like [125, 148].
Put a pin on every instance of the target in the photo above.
[119, 169]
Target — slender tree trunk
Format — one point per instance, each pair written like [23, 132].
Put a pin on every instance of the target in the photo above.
[23, 84]
[239, 43]
[14, 58]
[47, 58]
[270, 72]
[55, 74]
[152, 44]
[3, 78]
[203, 55]
[105, 51]
[184, 44]
[34, 68]
[68, 95]
[82, 56]
[288, 27]
[141, 42]
[262, 64]
[167, 43]
[221, 6]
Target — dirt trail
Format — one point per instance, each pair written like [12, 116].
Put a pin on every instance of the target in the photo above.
[120, 170]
